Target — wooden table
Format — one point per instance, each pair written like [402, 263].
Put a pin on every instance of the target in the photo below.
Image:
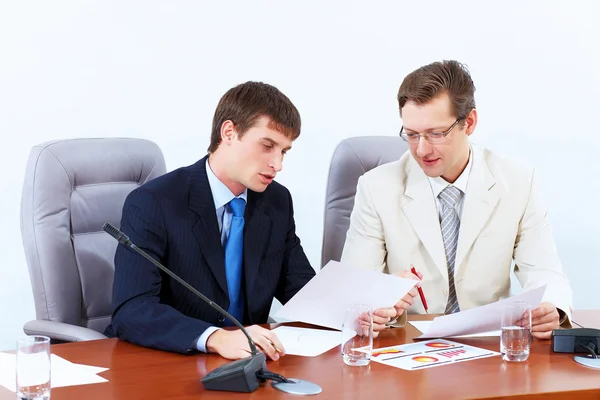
[141, 373]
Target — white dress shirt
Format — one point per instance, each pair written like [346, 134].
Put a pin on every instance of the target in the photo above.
[221, 196]
[438, 184]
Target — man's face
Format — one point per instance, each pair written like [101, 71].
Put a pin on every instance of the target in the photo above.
[448, 158]
[257, 156]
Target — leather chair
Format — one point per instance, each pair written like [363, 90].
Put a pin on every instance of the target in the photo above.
[351, 159]
[71, 188]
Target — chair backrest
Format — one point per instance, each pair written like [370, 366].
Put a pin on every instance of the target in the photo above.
[71, 188]
[351, 159]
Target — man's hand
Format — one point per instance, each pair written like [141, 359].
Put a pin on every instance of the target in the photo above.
[383, 316]
[544, 319]
[234, 344]
[409, 298]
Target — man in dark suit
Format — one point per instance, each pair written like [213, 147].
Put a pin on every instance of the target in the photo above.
[225, 227]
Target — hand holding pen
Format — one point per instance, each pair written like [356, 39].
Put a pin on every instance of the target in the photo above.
[409, 299]
[419, 288]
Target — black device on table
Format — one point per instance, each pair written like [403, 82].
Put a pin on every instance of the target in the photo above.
[576, 340]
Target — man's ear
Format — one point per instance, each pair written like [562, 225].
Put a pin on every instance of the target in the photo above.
[471, 121]
[228, 132]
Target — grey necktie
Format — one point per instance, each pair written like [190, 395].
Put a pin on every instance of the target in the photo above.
[450, 224]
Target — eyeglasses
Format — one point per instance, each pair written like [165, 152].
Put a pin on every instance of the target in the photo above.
[431, 137]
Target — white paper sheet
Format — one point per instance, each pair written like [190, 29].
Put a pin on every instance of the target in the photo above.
[423, 326]
[477, 320]
[321, 301]
[63, 372]
[307, 342]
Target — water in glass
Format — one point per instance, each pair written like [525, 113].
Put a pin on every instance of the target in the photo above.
[357, 335]
[515, 343]
[33, 368]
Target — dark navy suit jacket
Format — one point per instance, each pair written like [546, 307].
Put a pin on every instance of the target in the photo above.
[173, 218]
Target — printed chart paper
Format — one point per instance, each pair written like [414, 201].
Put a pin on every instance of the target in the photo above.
[428, 354]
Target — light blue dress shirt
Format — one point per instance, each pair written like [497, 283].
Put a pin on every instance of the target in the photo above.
[221, 196]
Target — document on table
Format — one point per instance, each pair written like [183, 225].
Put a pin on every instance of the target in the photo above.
[62, 372]
[428, 354]
[321, 301]
[307, 342]
[423, 326]
[477, 320]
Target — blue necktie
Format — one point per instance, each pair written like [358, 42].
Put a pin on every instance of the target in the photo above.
[234, 252]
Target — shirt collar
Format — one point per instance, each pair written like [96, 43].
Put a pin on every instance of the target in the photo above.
[438, 183]
[221, 193]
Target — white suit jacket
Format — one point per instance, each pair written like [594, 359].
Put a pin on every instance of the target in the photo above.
[395, 223]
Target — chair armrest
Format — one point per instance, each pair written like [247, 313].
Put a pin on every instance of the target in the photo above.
[61, 331]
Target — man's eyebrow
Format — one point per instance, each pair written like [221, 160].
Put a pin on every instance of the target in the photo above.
[274, 143]
[426, 130]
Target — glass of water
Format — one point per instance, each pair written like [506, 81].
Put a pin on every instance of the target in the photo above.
[515, 341]
[33, 368]
[357, 334]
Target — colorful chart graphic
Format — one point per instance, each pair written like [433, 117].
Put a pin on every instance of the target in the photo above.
[452, 353]
[439, 345]
[428, 354]
[425, 359]
[388, 351]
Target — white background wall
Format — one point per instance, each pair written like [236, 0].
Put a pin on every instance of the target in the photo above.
[156, 69]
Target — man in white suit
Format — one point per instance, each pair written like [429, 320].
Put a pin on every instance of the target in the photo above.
[460, 214]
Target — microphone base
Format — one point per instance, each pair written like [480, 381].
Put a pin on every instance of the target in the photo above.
[588, 361]
[236, 376]
[303, 388]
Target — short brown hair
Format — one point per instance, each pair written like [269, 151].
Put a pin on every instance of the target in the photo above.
[247, 102]
[451, 77]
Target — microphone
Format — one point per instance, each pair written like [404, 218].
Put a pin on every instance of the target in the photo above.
[238, 376]
[242, 375]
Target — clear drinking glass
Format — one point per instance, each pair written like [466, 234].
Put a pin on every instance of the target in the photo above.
[357, 334]
[33, 368]
[515, 341]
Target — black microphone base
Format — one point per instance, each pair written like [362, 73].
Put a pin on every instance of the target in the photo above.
[236, 376]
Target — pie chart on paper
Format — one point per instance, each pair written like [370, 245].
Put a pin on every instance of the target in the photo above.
[439, 345]
[425, 359]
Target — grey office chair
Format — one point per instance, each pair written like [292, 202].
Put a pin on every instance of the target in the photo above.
[71, 188]
[351, 159]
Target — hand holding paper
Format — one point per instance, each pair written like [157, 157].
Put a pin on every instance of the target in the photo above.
[478, 320]
[409, 298]
[321, 301]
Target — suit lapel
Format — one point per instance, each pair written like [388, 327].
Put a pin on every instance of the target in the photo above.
[480, 201]
[206, 228]
[420, 209]
[257, 227]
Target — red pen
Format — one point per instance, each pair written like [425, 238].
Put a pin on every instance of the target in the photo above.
[421, 295]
